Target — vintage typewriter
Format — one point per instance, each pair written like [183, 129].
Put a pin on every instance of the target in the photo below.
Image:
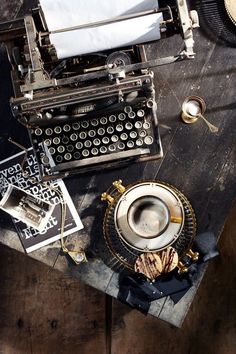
[85, 90]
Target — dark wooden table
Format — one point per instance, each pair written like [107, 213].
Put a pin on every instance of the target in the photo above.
[199, 163]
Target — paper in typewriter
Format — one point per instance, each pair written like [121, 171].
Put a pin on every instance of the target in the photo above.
[62, 14]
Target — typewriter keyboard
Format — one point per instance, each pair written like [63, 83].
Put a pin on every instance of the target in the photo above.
[130, 129]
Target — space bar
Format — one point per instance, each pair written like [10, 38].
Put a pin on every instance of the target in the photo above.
[99, 159]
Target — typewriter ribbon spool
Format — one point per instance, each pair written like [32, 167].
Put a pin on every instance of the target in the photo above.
[149, 227]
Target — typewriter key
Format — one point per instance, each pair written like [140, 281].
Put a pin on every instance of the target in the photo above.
[67, 156]
[103, 149]
[76, 126]
[112, 118]
[94, 122]
[70, 148]
[65, 140]
[133, 134]
[142, 133]
[146, 125]
[59, 158]
[82, 135]
[47, 142]
[45, 160]
[57, 130]
[139, 142]
[48, 131]
[101, 131]
[131, 115]
[121, 146]
[140, 113]
[124, 136]
[52, 150]
[76, 155]
[112, 147]
[56, 141]
[138, 124]
[94, 151]
[105, 140]
[87, 144]
[84, 124]
[114, 138]
[91, 133]
[121, 116]
[119, 127]
[97, 142]
[38, 131]
[130, 144]
[73, 137]
[128, 126]
[61, 149]
[110, 130]
[85, 153]
[79, 145]
[67, 128]
[128, 109]
[148, 140]
[103, 120]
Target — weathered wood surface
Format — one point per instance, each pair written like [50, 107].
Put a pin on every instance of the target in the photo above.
[199, 163]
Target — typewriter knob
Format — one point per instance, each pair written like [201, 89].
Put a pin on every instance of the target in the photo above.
[182, 267]
[118, 185]
[193, 255]
[107, 197]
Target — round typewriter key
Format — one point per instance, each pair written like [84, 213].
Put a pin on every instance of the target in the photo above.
[128, 109]
[112, 118]
[97, 142]
[121, 146]
[61, 149]
[140, 113]
[132, 115]
[142, 133]
[79, 145]
[38, 131]
[130, 144]
[114, 138]
[112, 147]
[67, 156]
[94, 122]
[148, 140]
[103, 120]
[65, 140]
[87, 144]
[133, 134]
[146, 125]
[139, 142]
[119, 127]
[91, 133]
[67, 128]
[121, 116]
[48, 142]
[52, 150]
[57, 130]
[56, 141]
[73, 137]
[103, 149]
[76, 126]
[124, 136]
[59, 158]
[82, 135]
[138, 124]
[84, 124]
[76, 155]
[48, 131]
[128, 126]
[110, 130]
[101, 131]
[45, 160]
[94, 151]
[85, 153]
[70, 148]
[105, 140]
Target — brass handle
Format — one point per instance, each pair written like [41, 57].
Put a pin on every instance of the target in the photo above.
[182, 267]
[118, 185]
[193, 255]
[107, 197]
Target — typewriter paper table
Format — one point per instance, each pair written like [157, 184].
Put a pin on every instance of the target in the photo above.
[197, 162]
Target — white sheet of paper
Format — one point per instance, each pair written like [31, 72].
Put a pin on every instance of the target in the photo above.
[61, 14]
